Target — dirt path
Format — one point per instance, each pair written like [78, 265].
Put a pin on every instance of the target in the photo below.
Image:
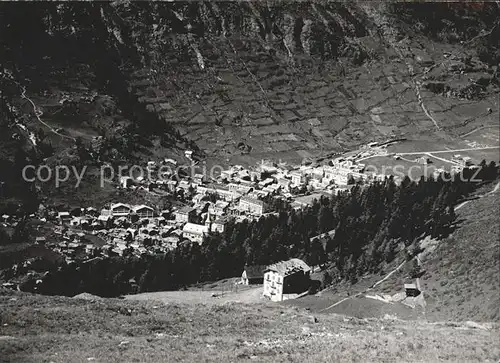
[368, 289]
[430, 153]
[440, 158]
[497, 186]
[37, 114]
[448, 151]
[477, 129]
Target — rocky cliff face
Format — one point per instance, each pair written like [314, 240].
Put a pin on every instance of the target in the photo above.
[245, 80]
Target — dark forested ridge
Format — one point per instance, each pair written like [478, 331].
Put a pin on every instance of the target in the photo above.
[373, 224]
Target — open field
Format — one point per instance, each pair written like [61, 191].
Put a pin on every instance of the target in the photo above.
[476, 155]
[57, 329]
[485, 136]
[387, 165]
[428, 144]
[210, 297]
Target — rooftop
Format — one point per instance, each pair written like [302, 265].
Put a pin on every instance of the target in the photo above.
[185, 209]
[195, 228]
[251, 200]
[289, 267]
[255, 271]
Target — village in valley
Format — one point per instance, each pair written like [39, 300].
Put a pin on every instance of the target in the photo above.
[205, 204]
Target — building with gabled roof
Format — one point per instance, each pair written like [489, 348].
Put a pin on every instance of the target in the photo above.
[120, 209]
[194, 232]
[143, 211]
[286, 278]
[253, 275]
[185, 214]
[252, 205]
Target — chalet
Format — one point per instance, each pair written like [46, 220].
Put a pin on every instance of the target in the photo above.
[194, 232]
[120, 210]
[284, 183]
[198, 178]
[204, 190]
[424, 160]
[40, 240]
[233, 187]
[171, 241]
[244, 189]
[64, 217]
[227, 174]
[152, 165]
[126, 182]
[268, 190]
[170, 161]
[467, 161]
[411, 290]
[171, 184]
[266, 182]
[143, 211]
[253, 275]
[197, 199]
[462, 161]
[219, 224]
[184, 185]
[185, 215]
[89, 248]
[132, 232]
[252, 206]
[286, 277]
[268, 168]
[105, 220]
[79, 221]
[224, 193]
[256, 175]
[219, 208]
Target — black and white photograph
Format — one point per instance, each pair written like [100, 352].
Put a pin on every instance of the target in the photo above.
[249, 181]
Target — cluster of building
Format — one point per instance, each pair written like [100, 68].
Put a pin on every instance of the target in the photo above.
[461, 162]
[238, 193]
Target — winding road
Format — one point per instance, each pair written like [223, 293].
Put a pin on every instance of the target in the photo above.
[37, 114]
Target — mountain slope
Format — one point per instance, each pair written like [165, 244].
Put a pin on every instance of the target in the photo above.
[256, 79]
[462, 273]
[39, 328]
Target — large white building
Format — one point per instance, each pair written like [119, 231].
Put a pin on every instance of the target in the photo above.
[286, 278]
[195, 232]
[252, 206]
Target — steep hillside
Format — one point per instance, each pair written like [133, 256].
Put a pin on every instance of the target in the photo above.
[37, 328]
[253, 79]
[462, 274]
[457, 275]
